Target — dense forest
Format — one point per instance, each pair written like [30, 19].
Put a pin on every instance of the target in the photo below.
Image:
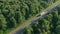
[16, 12]
[50, 24]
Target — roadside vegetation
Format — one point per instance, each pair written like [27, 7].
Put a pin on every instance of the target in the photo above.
[50, 24]
[16, 12]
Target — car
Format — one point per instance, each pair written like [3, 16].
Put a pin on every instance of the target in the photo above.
[38, 15]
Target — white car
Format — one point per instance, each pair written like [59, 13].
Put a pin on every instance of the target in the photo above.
[43, 13]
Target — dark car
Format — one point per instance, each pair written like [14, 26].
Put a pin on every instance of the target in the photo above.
[38, 15]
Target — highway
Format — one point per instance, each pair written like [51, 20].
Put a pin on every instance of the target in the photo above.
[32, 20]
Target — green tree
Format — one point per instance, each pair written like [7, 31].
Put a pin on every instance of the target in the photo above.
[3, 22]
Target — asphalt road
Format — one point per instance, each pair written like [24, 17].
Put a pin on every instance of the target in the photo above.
[31, 21]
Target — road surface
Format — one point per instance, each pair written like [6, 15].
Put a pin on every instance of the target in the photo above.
[31, 21]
